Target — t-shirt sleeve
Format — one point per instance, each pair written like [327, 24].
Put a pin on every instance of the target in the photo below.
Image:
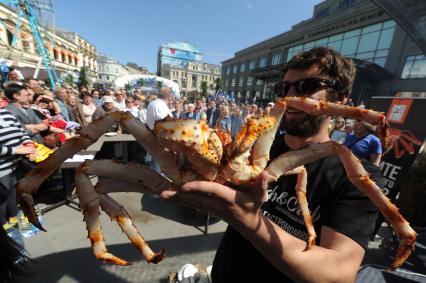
[375, 146]
[353, 213]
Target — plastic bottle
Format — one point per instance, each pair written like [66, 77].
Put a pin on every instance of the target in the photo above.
[25, 227]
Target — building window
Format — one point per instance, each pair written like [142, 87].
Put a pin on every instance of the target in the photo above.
[249, 81]
[276, 59]
[242, 67]
[414, 67]
[235, 69]
[228, 70]
[370, 43]
[259, 82]
[226, 83]
[233, 82]
[263, 61]
[252, 64]
[240, 81]
[322, 13]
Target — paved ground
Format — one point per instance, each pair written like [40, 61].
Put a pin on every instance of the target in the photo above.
[63, 254]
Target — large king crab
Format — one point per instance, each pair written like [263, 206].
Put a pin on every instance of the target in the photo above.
[189, 150]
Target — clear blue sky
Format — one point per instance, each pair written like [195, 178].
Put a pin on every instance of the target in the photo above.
[132, 30]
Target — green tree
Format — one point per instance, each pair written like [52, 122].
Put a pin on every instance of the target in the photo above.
[218, 84]
[69, 79]
[83, 79]
[204, 88]
[159, 84]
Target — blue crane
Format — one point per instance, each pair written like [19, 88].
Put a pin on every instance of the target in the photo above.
[25, 9]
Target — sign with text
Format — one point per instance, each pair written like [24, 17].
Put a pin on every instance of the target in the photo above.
[407, 135]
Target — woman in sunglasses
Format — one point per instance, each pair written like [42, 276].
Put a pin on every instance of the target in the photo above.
[270, 236]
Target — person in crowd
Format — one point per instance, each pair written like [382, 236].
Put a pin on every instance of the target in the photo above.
[3, 99]
[199, 111]
[142, 112]
[270, 236]
[120, 100]
[61, 95]
[190, 113]
[33, 84]
[363, 143]
[338, 134]
[130, 107]
[19, 98]
[178, 113]
[268, 109]
[212, 114]
[89, 108]
[224, 121]
[158, 110]
[236, 121]
[14, 142]
[107, 108]
[96, 98]
[75, 109]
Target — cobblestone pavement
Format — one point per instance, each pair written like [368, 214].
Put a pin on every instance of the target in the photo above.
[63, 254]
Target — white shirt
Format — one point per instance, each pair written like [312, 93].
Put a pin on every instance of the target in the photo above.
[121, 105]
[142, 115]
[156, 110]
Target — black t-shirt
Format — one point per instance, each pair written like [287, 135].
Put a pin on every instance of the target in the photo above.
[333, 202]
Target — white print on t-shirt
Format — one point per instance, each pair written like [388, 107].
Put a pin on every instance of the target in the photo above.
[291, 204]
[303, 235]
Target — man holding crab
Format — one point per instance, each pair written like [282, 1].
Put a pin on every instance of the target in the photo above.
[270, 237]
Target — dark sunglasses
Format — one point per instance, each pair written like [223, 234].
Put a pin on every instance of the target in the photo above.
[305, 87]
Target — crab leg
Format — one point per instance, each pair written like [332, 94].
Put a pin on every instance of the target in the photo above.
[237, 170]
[359, 177]
[32, 181]
[89, 203]
[118, 213]
[165, 158]
[318, 107]
[141, 178]
[302, 181]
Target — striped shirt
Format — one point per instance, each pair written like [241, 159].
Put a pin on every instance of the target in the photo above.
[12, 134]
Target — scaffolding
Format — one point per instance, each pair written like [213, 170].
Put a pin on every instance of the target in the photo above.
[33, 10]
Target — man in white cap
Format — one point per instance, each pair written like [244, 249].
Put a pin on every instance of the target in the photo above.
[106, 108]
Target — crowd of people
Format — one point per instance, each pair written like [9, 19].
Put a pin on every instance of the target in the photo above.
[31, 115]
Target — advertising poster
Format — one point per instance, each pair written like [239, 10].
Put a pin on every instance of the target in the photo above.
[406, 118]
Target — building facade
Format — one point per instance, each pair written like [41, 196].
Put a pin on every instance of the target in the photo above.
[182, 63]
[190, 77]
[109, 69]
[24, 56]
[86, 50]
[388, 61]
[67, 53]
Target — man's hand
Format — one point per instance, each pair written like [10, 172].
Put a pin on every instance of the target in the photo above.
[240, 208]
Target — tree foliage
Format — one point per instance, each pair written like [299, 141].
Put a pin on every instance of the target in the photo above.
[83, 79]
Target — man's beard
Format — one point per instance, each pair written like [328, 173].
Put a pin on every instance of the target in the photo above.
[308, 127]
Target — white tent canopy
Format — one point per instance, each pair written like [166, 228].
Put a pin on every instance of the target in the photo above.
[147, 83]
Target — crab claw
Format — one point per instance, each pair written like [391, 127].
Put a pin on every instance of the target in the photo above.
[26, 203]
[404, 250]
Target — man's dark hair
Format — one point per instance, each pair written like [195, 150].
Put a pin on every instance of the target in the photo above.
[12, 89]
[331, 65]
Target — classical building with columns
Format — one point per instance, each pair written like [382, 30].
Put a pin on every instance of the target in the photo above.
[182, 63]
[68, 51]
